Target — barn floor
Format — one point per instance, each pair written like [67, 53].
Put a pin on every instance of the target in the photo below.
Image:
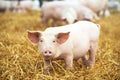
[20, 60]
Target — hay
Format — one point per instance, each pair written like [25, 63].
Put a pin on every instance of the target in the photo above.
[20, 60]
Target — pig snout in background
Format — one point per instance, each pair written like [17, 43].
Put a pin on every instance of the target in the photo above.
[68, 42]
[69, 15]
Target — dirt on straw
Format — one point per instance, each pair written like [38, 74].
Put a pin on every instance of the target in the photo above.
[20, 60]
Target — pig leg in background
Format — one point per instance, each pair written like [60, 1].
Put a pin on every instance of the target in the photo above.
[44, 20]
[106, 13]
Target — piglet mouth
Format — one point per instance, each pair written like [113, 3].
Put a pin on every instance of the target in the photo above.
[48, 57]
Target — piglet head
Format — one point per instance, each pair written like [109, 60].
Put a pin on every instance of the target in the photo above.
[48, 43]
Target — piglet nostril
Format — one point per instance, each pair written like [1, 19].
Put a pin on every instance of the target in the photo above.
[50, 52]
[45, 52]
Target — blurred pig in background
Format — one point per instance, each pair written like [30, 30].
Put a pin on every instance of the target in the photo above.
[23, 6]
[69, 15]
[19, 5]
[114, 5]
[7, 5]
[98, 6]
[78, 12]
[59, 9]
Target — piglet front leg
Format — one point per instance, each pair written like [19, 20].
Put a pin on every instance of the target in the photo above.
[69, 62]
[47, 66]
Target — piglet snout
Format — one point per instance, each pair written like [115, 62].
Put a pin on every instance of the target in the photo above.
[47, 53]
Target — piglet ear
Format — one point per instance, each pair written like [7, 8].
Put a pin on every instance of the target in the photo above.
[62, 37]
[34, 36]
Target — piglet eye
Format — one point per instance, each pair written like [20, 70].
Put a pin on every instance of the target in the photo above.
[41, 40]
[54, 41]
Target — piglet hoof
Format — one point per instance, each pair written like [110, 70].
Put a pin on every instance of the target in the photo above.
[69, 68]
[47, 71]
[89, 64]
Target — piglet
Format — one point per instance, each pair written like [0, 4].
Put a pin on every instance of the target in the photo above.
[7, 6]
[68, 42]
[78, 12]
[23, 6]
[59, 10]
[98, 6]
[114, 5]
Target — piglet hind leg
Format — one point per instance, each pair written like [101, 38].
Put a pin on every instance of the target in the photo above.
[92, 53]
[84, 60]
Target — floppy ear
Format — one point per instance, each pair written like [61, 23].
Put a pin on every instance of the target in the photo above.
[62, 37]
[34, 36]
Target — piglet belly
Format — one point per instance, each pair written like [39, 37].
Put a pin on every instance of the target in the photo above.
[78, 55]
[80, 52]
